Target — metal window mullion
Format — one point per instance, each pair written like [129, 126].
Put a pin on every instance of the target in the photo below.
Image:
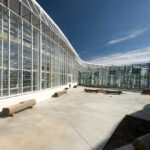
[8, 52]
[22, 56]
[2, 58]
[67, 65]
[50, 64]
[58, 66]
[31, 58]
[40, 56]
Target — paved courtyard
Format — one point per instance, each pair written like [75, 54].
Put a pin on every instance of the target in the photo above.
[75, 121]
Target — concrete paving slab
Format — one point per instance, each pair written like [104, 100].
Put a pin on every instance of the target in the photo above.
[76, 121]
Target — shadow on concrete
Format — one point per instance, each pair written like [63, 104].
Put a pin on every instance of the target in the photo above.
[2, 116]
[131, 127]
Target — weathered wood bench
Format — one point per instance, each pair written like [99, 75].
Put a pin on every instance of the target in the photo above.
[75, 86]
[142, 143]
[57, 94]
[113, 92]
[11, 110]
[145, 92]
[91, 90]
[102, 91]
[109, 91]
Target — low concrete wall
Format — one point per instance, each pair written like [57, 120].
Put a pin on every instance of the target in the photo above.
[37, 95]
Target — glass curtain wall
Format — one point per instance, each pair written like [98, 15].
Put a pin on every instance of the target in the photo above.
[129, 77]
[15, 54]
[26, 45]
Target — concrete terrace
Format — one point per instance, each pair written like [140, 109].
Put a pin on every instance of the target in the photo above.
[75, 121]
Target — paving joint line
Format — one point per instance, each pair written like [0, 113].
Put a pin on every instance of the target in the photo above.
[75, 130]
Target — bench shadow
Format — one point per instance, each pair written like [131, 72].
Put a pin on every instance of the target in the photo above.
[2, 116]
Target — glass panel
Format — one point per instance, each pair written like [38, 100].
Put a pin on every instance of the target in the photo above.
[14, 5]
[27, 54]
[5, 54]
[5, 23]
[0, 53]
[46, 62]
[32, 7]
[26, 81]
[26, 13]
[26, 34]
[0, 82]
[5, 82]
[35, 80]
[35, 21]
[14, 81]
[26, 58]
[15, 55]
[35, 59]
[0, 21]
[5, 2]
[36, 39]
[15, 28]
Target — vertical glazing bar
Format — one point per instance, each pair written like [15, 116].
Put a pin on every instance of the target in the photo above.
[8, 52]
[40, 56]
[31, 58]
[21, 56]
[58, 74]
[67, 65]
[2, 59]
[51, 61]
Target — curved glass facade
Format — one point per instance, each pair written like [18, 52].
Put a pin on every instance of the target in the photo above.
[36, 55]
[127, 77]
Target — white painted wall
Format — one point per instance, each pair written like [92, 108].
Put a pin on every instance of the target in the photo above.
[38, 96]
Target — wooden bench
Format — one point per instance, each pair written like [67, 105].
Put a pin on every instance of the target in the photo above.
[113, 92]
[109, 91]
[91, 90]
[75, 86]
[11, 110]
[57, 94]
[102, 91]
[145, 92]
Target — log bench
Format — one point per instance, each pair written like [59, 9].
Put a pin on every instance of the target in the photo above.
[11, 110]
[109, 91]
[91, 90]
[142, 143]
[145, 92]
[113, 92]
[57, 94]
[75, 86]
[102, 91]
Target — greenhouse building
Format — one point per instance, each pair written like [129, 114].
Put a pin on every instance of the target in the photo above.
[36, 58]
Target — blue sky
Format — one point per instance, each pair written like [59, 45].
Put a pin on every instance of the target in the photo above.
[110, 32]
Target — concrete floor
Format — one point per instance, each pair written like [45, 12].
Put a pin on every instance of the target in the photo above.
[75, 121]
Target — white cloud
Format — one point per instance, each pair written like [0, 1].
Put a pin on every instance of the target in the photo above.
[132, 34]
[132, 57]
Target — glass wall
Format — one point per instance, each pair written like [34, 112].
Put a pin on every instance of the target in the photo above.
[27, 46]
[15, 54]
[5, 48]
[129, 77]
